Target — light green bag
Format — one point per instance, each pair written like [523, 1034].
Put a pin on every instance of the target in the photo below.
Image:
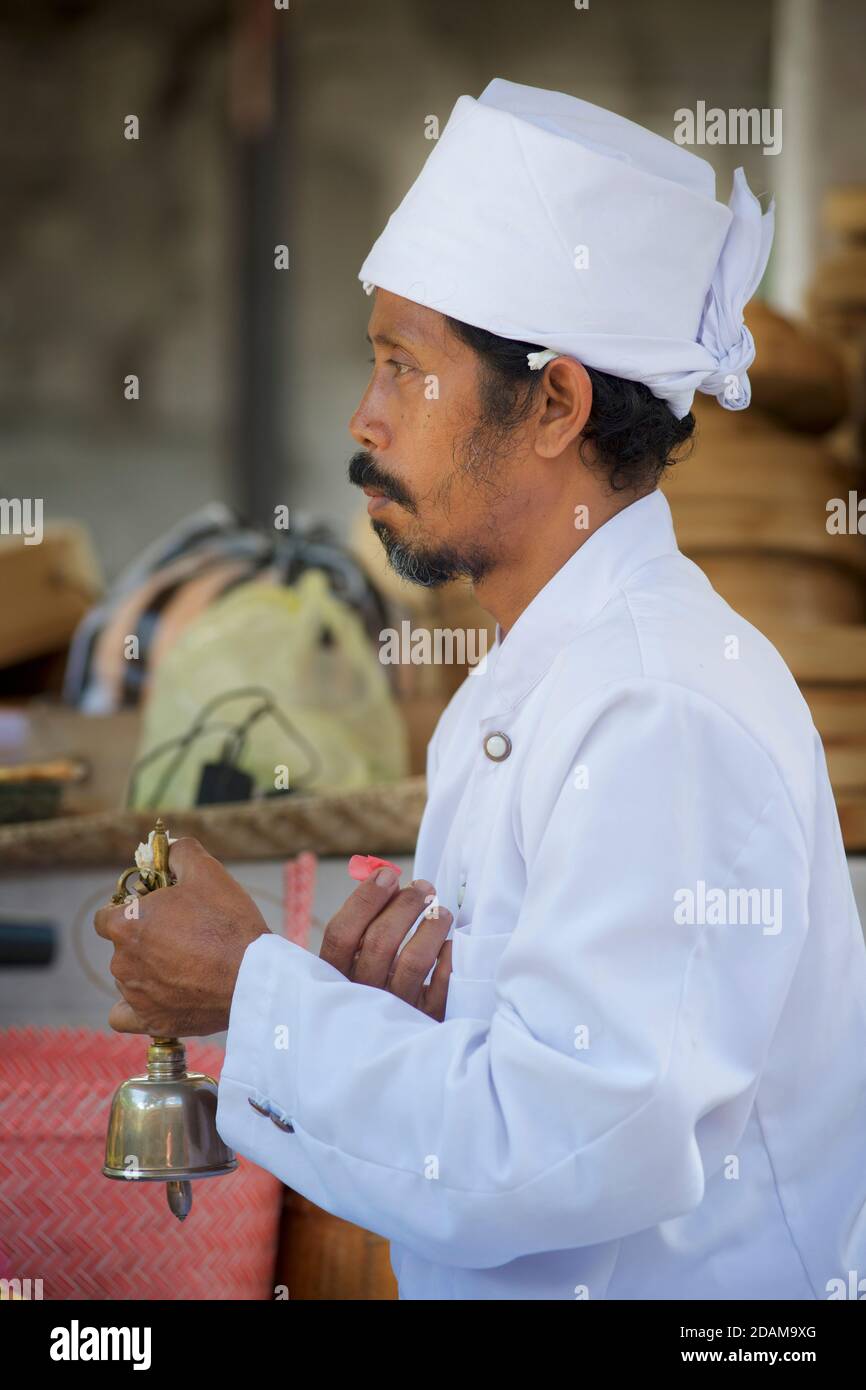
[281, 681]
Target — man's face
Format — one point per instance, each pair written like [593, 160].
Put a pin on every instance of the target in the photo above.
[446, 497]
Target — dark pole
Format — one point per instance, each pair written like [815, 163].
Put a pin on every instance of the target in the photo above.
[260, 89]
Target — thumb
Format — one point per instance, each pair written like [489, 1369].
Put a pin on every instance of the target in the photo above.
[184, 856]
[124, 1019]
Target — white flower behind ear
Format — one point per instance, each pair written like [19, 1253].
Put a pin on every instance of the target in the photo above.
[144, 853]
[537, 360]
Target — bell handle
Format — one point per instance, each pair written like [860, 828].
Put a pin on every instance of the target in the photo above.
[122, 892]
[161, 871]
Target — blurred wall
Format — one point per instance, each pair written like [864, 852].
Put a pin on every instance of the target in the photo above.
[121, 256]
[116, 262]
[817, 80]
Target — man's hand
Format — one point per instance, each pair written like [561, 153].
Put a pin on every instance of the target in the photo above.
[177, 961]
[363, 938]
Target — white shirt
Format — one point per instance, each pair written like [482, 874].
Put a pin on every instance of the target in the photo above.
[651, 1078]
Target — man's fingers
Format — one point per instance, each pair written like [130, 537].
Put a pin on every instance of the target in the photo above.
[108, 921]
[343, 933]
[184, 855]
[418, 955]
[384, 935]
[435, 996]
[124, 1019]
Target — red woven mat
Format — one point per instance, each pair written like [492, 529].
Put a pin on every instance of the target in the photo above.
[86, 1236]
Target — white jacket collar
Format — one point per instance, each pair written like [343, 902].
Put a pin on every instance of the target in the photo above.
[577, 592]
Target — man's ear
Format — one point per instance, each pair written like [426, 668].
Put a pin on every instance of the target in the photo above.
[567, 392]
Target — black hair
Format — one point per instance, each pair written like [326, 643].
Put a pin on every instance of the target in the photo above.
[635, 436]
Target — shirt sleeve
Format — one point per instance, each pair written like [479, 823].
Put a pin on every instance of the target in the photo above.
[432, 757]
[633, 1008]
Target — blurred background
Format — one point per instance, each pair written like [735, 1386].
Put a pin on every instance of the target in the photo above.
[191, 600]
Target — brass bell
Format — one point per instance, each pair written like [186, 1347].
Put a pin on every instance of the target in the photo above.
[162, 1126]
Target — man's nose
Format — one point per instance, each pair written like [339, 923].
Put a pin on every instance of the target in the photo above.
[367, 429]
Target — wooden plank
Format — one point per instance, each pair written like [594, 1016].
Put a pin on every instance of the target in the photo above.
[322, 1258]
[839, 711]
[846, 763]
[782, 525]
[827, 654]
[852, 818]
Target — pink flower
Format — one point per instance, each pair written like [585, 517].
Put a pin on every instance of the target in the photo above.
[361, 866]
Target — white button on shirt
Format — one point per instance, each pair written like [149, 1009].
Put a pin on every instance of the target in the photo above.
[497, 747]
[461, 892]
[651, 1077]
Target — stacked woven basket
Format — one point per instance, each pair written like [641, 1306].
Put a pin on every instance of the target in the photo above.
[837, 296]
[756, 508]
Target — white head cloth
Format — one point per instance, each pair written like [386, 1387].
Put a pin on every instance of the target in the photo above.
[543, 218]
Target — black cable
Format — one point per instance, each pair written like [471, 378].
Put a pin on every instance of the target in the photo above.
[238, 732]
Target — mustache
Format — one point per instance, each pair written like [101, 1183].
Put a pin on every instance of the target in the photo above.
[365, 472]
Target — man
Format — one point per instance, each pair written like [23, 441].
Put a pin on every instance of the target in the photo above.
[627, 1056]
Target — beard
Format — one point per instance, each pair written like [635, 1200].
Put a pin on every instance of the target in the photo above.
[427, 565]
[432, 566]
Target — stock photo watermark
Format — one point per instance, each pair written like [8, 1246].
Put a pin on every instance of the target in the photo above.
[737, 126]
[846, 516]
[436, 646]
[77, 1343]
[729, 907]
[26, 1289]
[22, 516]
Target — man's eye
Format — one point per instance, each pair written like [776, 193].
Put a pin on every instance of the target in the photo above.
[403, 367]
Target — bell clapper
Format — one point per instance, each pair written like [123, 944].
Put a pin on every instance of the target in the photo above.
[179, 1196]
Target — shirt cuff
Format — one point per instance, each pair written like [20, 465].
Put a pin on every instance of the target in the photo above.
[259, 1072]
